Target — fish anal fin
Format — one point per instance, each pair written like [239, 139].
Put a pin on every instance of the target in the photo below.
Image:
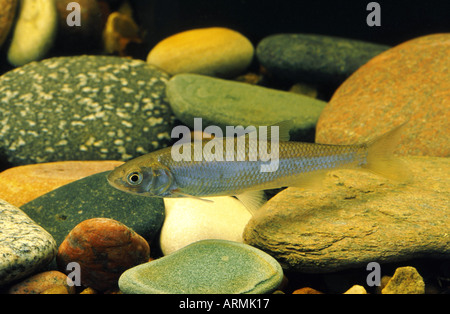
[252, 200]
[310, 180]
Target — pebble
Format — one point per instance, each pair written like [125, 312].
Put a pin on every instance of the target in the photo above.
[104, 248]
[60, 210]
[213, 51]
[307, 290]
[317, 59]
[356, 218]
[7, 15]
[23, 184]
[356, 289]
[408, 83]
[25, 247]
[406, 280]
[83, 108]
[34, 34]
[49, 282]
[206, 267]
[189, 220]
[225, 103]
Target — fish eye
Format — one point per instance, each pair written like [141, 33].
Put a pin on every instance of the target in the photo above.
[134, 178]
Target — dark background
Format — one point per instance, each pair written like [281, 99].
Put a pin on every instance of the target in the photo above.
[400, 19]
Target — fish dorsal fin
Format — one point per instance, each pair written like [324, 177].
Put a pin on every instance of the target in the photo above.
[283, 130]
[252, 200]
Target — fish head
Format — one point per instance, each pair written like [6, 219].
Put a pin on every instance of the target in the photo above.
[142, 178]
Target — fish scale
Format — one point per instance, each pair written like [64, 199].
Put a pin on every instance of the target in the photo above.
[297, 164]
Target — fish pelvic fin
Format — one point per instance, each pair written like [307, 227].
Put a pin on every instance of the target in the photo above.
[252, 200]
[380, 158]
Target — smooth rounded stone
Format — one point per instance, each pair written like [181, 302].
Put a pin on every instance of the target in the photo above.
[7, 14]
[226, 103]
[410, 82]
[317, 59]
[60, 210]
[104, 248]
[206, 267]
[83, 108]
[23, 184]
[356, 218]
[25, 247]
[406, 280]
[34, 32]
[189, 220]
[43, 283]
[214, 51]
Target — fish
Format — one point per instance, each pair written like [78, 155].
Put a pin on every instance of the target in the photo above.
[299, 164]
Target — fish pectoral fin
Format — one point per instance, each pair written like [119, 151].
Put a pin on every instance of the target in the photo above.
[252, 200]
[176, 193]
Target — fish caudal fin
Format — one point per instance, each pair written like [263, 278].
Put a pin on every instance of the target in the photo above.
[380, 158]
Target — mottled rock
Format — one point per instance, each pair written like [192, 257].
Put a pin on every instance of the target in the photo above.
[43, 283]
[206, 267]
[60, 210]
[83, 108]
[226, 103]
[7, 14]
[104, 249]
[317, 59]
[356, 218]
[189, 220]
[410, 82]
[406, 280]
[214, 51]
[23, 184]
[25, 247]
[34, 32]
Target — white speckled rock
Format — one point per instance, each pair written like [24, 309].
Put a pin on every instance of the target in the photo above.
[189, 220]
[25, 247]
[83, 108]
[34, 32]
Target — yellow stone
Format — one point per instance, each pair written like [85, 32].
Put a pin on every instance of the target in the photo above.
[215, 51]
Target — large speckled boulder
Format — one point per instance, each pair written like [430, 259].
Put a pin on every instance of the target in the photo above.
[82, 108]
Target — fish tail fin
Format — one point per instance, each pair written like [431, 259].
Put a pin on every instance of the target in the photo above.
[380, 158]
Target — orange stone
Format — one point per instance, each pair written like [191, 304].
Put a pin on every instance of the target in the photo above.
[104, 248]
[19, 185]
[42, 282]
[410, 82]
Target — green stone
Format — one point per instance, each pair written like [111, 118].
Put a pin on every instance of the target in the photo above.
[60, 210]
[226, 103]
[317, 59]
[206, 267]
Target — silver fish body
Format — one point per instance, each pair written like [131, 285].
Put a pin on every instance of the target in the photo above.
[157, 174]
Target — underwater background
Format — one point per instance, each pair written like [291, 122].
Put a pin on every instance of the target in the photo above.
[78, 101]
